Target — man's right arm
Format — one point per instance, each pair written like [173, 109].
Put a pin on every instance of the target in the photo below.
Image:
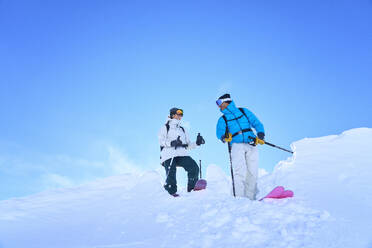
[221, 128]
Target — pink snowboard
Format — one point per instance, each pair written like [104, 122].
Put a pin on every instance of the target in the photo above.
[279, 193]
[200, 184]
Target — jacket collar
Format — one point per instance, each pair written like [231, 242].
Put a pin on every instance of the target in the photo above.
[231, 108]
[174, 122]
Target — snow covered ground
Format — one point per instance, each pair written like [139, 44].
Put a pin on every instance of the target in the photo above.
[330, 177]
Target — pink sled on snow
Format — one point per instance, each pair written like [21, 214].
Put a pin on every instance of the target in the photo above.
[278, 193]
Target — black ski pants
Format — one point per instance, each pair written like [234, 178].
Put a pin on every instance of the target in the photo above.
[190, 166]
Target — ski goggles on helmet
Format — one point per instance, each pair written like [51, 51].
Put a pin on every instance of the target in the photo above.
[179, 112]
[220, 101]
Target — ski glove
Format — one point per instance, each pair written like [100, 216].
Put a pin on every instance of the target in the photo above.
[177, 143]
[259, 139]
[227, 137]
[199, 140]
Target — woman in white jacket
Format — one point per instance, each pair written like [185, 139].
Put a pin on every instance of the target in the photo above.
[174, 143]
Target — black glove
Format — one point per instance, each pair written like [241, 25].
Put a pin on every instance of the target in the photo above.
[176, 143]
[199, 140]
[261, 135]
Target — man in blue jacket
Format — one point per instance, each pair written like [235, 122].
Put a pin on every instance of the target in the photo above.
[235, 127]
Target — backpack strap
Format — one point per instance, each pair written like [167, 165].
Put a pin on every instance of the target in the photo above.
[242, 110]
[182, 129]
[167, 126]
[246, 130]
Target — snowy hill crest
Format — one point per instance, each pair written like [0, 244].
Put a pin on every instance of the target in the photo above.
[329, 175]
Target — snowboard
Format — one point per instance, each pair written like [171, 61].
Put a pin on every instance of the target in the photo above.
[200, 185]
[279, 193]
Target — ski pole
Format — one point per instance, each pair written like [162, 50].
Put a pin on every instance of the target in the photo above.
[269, 144]
[231, 168]
[200, 168]
[170, 166]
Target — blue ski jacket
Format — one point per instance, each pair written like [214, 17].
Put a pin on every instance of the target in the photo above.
[238, 124]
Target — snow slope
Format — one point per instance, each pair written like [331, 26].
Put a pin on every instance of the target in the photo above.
[333, 173]
[331, 207]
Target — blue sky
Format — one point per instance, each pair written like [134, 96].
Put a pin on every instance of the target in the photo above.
[86, 85]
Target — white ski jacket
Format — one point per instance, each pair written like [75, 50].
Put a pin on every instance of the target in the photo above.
[166, 137]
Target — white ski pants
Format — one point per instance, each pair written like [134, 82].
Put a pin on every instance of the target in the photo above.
[245, 168]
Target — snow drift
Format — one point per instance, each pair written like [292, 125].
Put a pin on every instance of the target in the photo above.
[331, 208]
